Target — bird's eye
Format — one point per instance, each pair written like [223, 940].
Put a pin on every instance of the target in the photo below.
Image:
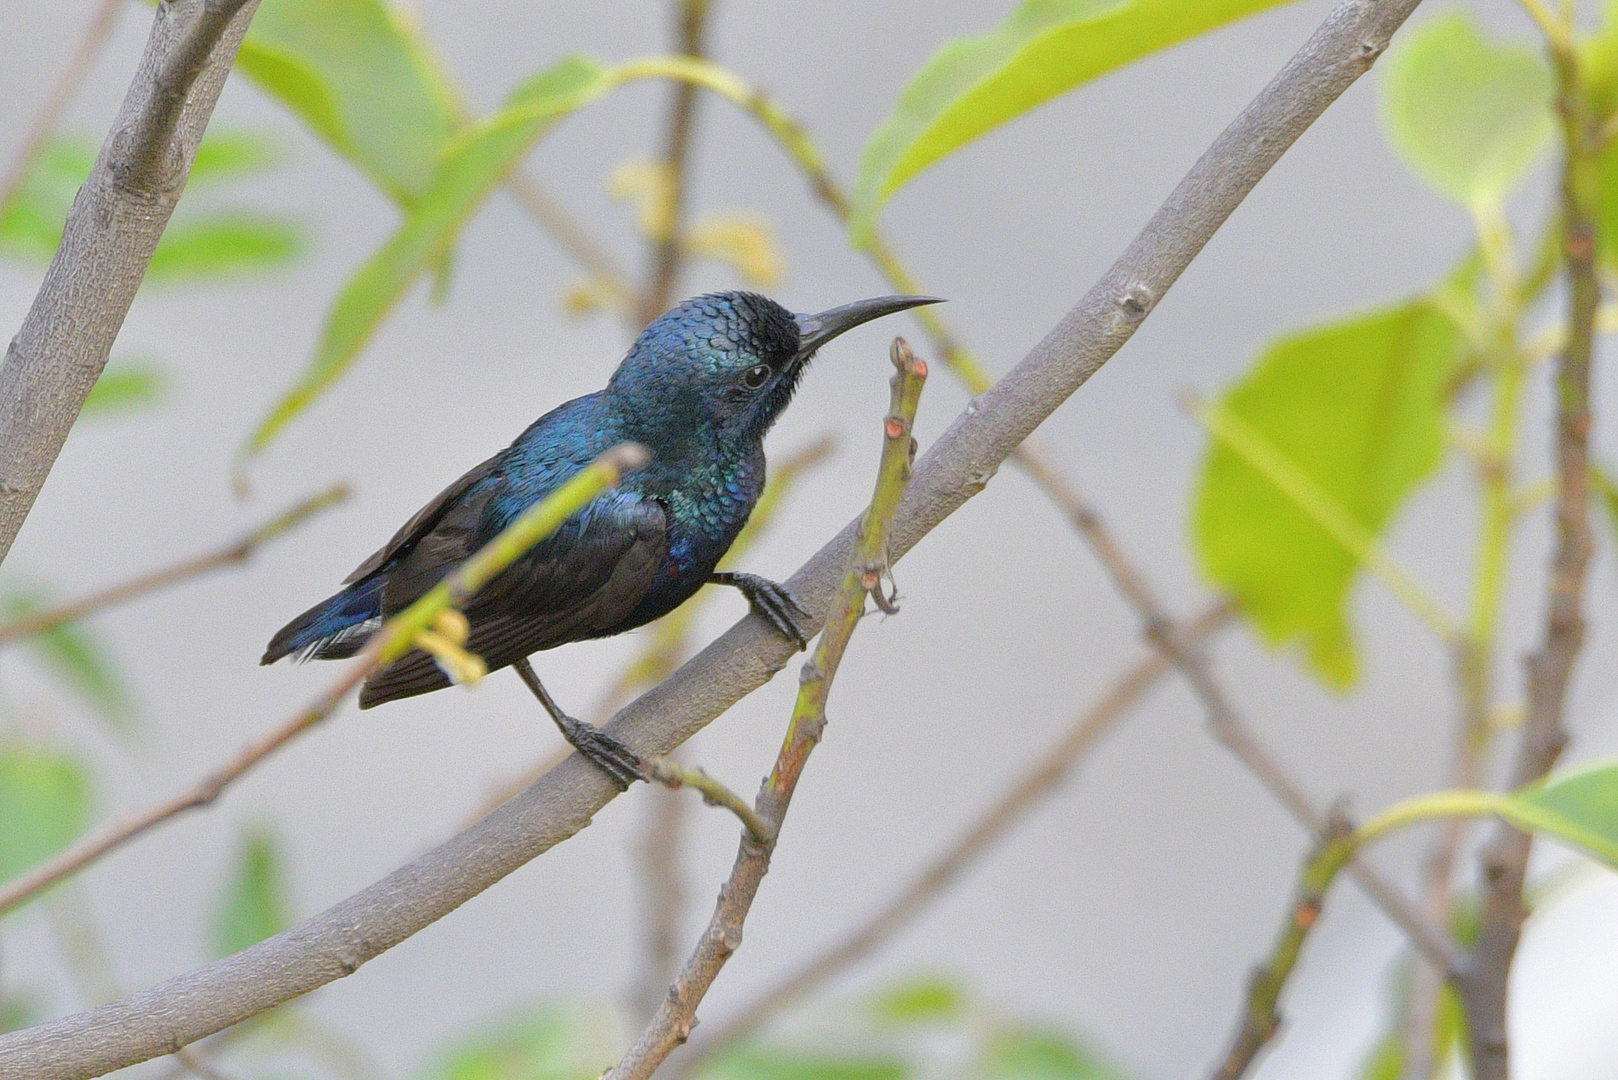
[756, 376]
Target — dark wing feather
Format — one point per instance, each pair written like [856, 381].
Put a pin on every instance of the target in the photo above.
[424, 521]
[584, 581]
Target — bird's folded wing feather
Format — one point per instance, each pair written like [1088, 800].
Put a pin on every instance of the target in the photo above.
[424, 520]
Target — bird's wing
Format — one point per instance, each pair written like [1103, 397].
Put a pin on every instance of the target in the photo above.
[583, 581]
[424, 521]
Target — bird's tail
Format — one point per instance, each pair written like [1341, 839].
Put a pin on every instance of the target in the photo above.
[335, 628]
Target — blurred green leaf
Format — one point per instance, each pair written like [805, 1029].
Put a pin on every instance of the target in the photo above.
[232, 155]
[253, 905]
[75, 657]
[44, 805]
[31, 223]
[17, 1011]
[473, 166]
[1468, 115]
[785, 1063]
[360, 75]
[1579, 808]
[1044, 49]
[1034, 1053]
[1606, 489]
[197, 244]
[1356, 407]
[927, 999]
[223, 243]
[124, 385]
[552, 1042]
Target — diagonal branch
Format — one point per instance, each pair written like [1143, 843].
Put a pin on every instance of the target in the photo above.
[963, 460]
[1043, 780]
[235, 553]
[107, 243]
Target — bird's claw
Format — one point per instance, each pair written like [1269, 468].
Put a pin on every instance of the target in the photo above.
[772, 602]
[607, 753]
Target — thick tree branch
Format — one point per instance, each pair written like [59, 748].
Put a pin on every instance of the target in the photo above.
[108, 241]
[1484, 983]
[336, 942]
[1004, 814]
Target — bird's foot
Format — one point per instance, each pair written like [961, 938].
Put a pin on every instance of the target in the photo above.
[607, 753]
[772, 602]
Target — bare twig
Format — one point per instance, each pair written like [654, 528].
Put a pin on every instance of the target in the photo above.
[1260, 1016]
[1013, 805]
[673, 775]
[668, 251]
[662, 894]
[867, 566]
[544, 209]
[1483, 984]
[235, 553]
[61, 94]
[336, 942]
[107, 243]
[391, 641]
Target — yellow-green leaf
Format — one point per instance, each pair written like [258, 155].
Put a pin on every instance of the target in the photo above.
[44, 805]
[1468, 115]
[1356, 408]
[358, 73]
[1044, 49]
[1578, 807]
[75, 657]
[555, 1042]
[1020, 1052]
[473, 166]
[204, 247]
[252, 906]
[123, 386]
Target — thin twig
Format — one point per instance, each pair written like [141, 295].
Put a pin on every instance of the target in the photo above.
[61, 95]
[668, 249]
[1004, 814]
[232, 554]
[543, 207]
[673, 775]
[334, 943]
[392, 640]
[1484, 983]
[868, 564]
[107, 243]
[1261, 1018]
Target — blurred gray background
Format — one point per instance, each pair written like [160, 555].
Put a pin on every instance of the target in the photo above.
[1132, 904]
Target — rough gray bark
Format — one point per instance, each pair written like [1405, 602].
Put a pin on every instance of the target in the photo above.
[110, 235]
[336, 942]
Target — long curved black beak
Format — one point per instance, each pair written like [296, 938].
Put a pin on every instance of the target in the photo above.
[815, 330]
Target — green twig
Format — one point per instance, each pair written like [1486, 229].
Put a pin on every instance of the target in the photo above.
[671, 774]
[395, 638]
[677, 1014]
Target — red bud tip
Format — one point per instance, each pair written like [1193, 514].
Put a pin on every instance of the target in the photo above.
[920, 369]
[895, 427]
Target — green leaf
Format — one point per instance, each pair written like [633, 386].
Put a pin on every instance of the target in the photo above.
[1044, 49]
[556, 1042]
[1468, 115]
[1035, 1053]
[220, 244]
[359, 74]
[1579, 808]
[31, 223]
[474, 165]
[74, 655]
[786, 1063]
[925, 1000]
[232, 155]
[1357, 408]
[44, 805]
[253, 905]
[124, 385]
[17, 1011]
[1606, 489]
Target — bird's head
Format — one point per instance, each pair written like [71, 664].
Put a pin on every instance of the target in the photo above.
[729, 362]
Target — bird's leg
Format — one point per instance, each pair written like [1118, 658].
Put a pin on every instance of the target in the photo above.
[771, 602]
[606, 753]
